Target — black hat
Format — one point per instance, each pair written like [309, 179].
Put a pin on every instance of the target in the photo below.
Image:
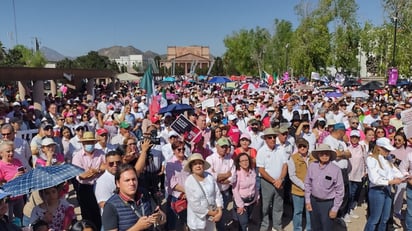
[295, 117]
[305, 117]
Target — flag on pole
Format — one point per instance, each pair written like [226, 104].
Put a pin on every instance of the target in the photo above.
[147, 83]
[163, 100]
[268, 78]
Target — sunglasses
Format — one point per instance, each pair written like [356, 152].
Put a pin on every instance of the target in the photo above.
[111, 164]
[181, 149]
[270, 137]
[302, 146]
[355, 123]
[6, 134]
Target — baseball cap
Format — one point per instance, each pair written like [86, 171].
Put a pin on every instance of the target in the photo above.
[232, 117]
[47, 142]
[223, 141]
[339, 126]
[385, 143]
[355, 133]
[102, 131]
[124, 125]
[46, 125]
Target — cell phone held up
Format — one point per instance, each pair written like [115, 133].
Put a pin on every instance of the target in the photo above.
[20, 169]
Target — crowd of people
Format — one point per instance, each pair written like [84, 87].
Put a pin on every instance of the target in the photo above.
[256, 152]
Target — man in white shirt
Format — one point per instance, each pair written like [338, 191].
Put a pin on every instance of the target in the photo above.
[105, 184]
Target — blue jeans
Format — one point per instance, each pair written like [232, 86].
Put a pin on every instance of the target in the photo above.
[380, 205]
[354, 190]
[244, 218]
[298, 208]
[408, 218]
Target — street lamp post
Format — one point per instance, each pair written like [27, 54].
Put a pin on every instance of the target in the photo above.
[394, 38]
[287, 57]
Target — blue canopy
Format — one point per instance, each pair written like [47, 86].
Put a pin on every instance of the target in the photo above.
[219, 79]
[169, 79]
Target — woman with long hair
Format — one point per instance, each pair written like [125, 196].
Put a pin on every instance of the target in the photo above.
[382, 174]
[175, 180]
[245, 190]
[215, 135]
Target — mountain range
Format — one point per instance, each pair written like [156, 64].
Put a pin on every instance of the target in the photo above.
[111, 52]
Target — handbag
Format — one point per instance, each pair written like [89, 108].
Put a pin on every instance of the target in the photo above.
[180, 205]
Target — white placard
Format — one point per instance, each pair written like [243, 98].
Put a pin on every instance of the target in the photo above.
[406, 116]
[208, 103]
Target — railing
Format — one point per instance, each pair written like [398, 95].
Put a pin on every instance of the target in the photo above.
[27, 134]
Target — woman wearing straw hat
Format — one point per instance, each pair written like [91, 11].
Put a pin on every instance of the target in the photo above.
[382, 173]
[324, 189]
[205, 202]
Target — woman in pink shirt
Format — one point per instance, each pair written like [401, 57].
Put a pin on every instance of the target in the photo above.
[245, 190]
[11, 168]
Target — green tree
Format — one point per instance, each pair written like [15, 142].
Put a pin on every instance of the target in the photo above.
[67, 64]
[278, 53]
[2, 53]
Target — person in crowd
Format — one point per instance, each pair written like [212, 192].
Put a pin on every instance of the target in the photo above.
[318, 128]
[396, 119]
[369, 141]
[245, 190]
[204, 200]
[255, 132]
[205, 131]
[382, 174]
[272, 165]
[22, 149]
[399, 155]
[244, 147]
[124, 133]
[68, 149]
[215, 135]
[167, 149]
[380, 132]
[233, 130]
[79, 131]
[129, 208]
[223, 170]
[371, 118]
[105, 185]
[10, 168]
[297, 168]
[357, 173]
[53, 210]
[92, 161]
[83, 225]
[200, 148]
[389, 129]
[175, 184]
[5, 222]
[51, 114]
[304, 131]
[45, 129]
[330, 123]
[324, 189]
[354, 124]
[103, 141]
[335, 141]
[48, 155]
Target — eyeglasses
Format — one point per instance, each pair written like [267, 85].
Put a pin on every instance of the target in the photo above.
[6, 134]
[355, 123]
[302, 146]
[180, 149]
[224, 146]
[111, 164]
[132, 144]
[270, 137]
[380, 131]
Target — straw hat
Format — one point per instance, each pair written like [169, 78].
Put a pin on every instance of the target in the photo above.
[324, 148]
[88, 136]
[193, 157]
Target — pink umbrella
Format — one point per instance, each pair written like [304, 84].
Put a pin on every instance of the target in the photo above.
[249, 86]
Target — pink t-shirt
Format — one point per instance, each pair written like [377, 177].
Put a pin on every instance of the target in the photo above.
[9, 170]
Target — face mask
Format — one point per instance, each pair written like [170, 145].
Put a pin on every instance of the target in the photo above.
[255, 129]
[89, 147]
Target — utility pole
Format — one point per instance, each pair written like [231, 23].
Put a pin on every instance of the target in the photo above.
[394, 38]
[287, 57]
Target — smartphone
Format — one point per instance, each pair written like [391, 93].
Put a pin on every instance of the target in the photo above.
[20, 169]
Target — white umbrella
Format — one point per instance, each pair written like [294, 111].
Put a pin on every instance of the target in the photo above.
[358, 94]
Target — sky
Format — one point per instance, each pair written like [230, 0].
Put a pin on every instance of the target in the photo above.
[75, 27]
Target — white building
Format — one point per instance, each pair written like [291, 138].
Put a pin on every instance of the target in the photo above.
[130, 61]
